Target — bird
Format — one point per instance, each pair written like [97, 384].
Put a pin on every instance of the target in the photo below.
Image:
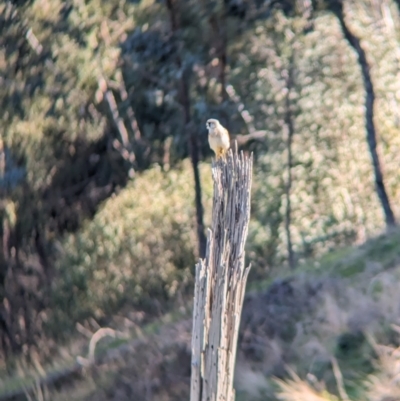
[218, 137]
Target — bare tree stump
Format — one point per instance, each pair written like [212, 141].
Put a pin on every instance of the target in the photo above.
[220, 282]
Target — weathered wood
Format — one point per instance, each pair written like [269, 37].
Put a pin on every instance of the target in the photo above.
[220, 282]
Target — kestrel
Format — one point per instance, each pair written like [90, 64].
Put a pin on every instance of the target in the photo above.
[218, 137]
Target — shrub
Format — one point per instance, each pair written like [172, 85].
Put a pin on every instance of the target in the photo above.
[138, 249]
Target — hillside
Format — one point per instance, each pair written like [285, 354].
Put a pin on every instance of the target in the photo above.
[343, 307]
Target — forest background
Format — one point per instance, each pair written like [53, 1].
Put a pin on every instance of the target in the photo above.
[105, 183]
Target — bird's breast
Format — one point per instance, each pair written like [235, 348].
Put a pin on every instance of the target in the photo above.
[214, 139]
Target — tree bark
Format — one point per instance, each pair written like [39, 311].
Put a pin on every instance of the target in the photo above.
[220, 282]
[354, 42]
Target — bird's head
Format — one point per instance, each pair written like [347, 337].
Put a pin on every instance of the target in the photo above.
[211, 124]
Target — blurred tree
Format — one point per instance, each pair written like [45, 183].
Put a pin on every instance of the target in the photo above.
[185, 70]
[289, 123]
[336, 6]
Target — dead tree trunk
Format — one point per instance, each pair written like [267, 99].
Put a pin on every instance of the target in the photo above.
[220, 282]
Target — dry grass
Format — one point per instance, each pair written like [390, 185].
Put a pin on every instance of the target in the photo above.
[295, 389]
[384, 384]
[310, 320]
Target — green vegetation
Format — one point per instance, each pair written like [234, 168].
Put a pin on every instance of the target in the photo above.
[105, 190]
[137, 250]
